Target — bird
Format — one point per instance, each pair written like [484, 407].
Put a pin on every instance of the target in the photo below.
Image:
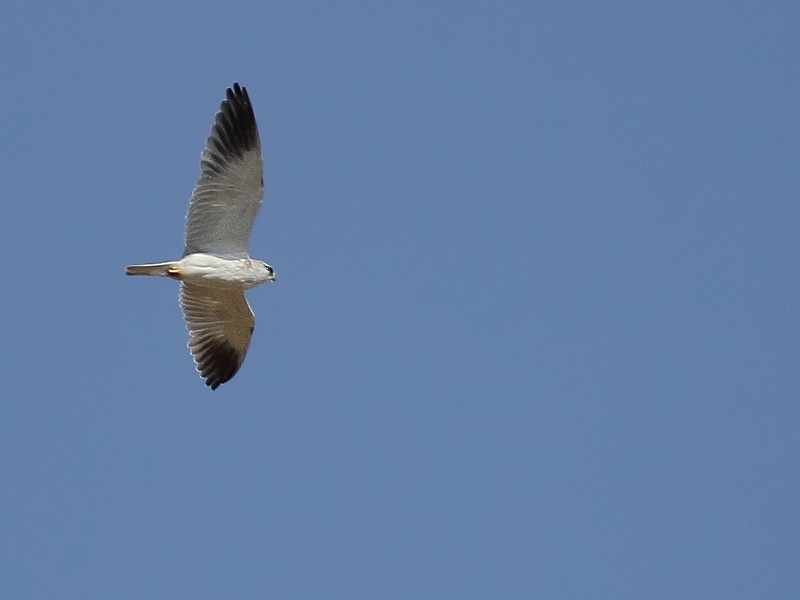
[215, 269]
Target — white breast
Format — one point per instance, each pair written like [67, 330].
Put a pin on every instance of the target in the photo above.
[209, 270]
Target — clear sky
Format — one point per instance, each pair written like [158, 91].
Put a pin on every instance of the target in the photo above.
[535, 330]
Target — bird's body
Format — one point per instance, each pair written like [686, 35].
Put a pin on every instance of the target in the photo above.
[209, 270]
[215, 268]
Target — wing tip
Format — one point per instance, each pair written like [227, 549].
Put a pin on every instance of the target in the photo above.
[217, 361]
[235, 123]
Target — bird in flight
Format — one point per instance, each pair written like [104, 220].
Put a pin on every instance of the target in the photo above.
[215, 269]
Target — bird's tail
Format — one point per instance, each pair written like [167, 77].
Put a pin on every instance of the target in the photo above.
[154, 270]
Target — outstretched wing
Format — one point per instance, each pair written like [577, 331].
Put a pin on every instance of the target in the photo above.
[231, 185]
[220, 324]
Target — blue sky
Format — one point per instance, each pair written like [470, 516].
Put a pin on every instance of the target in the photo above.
[535, 330]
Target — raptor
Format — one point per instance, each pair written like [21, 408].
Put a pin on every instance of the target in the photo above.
[215, 269]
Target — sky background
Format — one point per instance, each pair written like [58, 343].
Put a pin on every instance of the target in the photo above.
[535, 331]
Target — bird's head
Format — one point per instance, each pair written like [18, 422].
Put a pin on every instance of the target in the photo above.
[269, 272]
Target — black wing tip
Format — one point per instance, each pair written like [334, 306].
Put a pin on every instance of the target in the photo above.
[237, 91]
[218, 364]
[236, 95]
[235, 130]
